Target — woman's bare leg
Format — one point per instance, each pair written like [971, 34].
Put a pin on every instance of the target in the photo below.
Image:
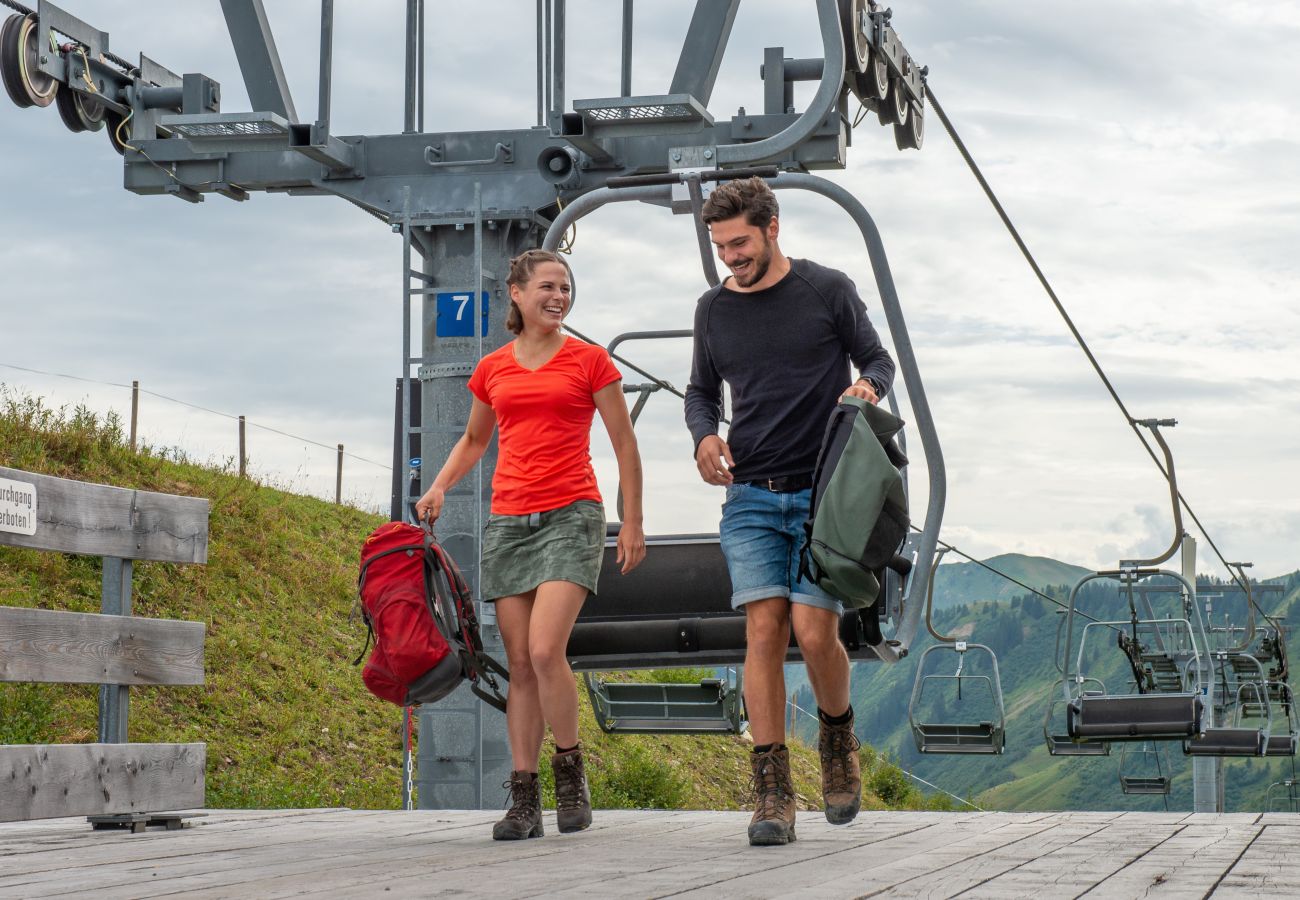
[524, 724]
[555, 609]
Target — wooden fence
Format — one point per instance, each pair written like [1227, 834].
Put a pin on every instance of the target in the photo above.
[114, 649]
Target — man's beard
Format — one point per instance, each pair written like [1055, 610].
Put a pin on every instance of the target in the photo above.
[758, 267]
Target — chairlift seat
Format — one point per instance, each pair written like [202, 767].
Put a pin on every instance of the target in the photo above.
[672, 610]
[982, 737]
[1134, 784]
[1280, 745]
[1227, 742]
[1134, 717]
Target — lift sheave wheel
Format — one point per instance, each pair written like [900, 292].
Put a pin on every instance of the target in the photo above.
[910, 135]
[877, 80]
[19, 63]
[79, 112]
[856, 45]
[113, 120]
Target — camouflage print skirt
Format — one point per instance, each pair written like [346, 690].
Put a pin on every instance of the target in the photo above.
[521, 552]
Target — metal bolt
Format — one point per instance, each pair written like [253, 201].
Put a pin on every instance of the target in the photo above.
[677, 156]
[44, 60]
[708, 154]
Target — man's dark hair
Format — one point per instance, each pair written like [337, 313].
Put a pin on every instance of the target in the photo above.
[750, 197]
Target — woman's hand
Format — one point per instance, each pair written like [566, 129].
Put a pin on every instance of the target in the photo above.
[631, 546]
[429, 507]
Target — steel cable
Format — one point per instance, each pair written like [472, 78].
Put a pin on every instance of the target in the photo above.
[1083, 344]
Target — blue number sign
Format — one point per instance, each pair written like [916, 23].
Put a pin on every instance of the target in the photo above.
[455, 316]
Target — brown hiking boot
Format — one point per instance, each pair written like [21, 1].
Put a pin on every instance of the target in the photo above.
[572, 799]
[524, 818]
[773, 821]
[841, 771]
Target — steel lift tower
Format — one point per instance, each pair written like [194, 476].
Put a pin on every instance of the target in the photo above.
[464, 203]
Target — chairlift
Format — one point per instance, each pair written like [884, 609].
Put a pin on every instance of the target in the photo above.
[1169, 655]
[1135, 767]
[987, 736]
[1236, 739]
[1283, 796]
[675, 609]
[1058, 740]
[1284, 744]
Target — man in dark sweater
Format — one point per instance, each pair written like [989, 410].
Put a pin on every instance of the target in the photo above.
[780, 333]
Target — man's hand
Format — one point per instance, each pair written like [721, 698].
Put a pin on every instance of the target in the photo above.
[631, 546]
[713, 459]
[863, 390]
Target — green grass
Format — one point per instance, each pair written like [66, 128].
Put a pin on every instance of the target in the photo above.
[283, 712]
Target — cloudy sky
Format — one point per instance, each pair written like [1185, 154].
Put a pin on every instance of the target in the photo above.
[1149, 153]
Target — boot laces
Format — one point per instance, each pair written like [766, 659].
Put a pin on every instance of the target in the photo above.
[838, 741]
[568, 784]
[524, 799]
[770, 787]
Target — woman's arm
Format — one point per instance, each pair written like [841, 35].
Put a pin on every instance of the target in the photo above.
[613, 412]
[468, 451]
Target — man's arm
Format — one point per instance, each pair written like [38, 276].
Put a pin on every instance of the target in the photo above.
[704, 406]
[874, 364]
[704, 391]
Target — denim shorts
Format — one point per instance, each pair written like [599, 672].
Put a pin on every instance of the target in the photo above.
[762, 534]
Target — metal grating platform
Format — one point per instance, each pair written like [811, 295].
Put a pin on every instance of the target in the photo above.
[652, 108]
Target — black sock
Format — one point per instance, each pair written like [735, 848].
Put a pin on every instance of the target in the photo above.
[842, 719]
[765, 748]
[559, 749]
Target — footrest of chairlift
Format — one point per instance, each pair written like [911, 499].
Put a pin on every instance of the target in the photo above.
[1063, 745]
[1135, 717]
[709, 707]
[1227, 742]
[1129, 784]
[983, 737]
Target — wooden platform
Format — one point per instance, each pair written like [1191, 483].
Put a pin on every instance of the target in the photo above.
[346, 853]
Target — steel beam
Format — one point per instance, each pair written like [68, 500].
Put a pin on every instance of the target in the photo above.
[259, 61]
[703, 49]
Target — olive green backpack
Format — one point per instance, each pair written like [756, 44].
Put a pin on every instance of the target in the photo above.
[859, 519]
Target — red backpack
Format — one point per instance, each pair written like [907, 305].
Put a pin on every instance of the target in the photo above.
[420, 612]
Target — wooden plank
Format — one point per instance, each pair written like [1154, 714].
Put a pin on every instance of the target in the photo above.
[1188, 865]
[41, 781]
[98, 520]
[88, 648]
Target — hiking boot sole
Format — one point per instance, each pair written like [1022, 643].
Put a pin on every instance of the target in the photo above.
[843, 815]
[770, 835]
[568, 828]
[513, 835]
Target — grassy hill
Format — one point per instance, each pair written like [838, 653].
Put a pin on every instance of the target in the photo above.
[284, 714]
[969, 582]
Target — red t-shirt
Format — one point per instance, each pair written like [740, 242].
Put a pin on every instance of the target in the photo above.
[544, 425]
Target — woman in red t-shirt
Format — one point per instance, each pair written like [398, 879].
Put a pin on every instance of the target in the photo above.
[543, 543]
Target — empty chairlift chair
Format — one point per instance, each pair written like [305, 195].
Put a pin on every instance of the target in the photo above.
[958, 732]
[1285, 742]
[1144, 770]
[1283, 796]
[1168, 655]
[1238, 739]
[1055, 733]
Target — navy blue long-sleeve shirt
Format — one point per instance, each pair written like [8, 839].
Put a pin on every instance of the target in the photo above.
[784, 352]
